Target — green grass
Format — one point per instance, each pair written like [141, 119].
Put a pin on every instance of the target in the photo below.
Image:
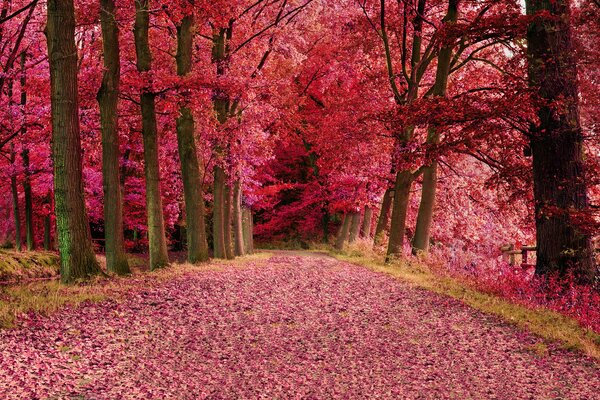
[47, 297]
[542, 322]
[18, 266]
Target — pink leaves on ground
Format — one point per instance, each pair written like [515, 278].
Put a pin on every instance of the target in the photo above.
[292, 327]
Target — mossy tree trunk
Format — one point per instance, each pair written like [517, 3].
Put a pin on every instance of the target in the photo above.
[559, 183]
[197, 246]
[156, 227]
[219, 213]
[77, 258]
[108, 101]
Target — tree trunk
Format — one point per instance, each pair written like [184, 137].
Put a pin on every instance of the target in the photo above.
[238, 228]
[404, 180]
[156, 228]
[48, 226]
[108, 100]
[219, 213]
[190, 167]
[383, 222]
[343, 232]
[354, 227]
[77, 258]
[366, 225]
[557, 145]
[15, 197]
[428, 190]
[228, 219]
[29, 234]
[248, 229]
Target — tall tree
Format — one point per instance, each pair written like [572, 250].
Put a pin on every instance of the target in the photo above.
[404, 177]
[108, 100]
[222, 106]
[29, 234]
[77, 258]
[428, 190]
[190, 170]
[559, 183]
[156, 227]
[15, 198]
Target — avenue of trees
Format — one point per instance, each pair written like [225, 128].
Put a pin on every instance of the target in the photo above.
[448, 127]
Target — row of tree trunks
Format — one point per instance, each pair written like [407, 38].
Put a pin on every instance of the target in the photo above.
[156, 228]
[197, 246]
[77, 258]
[429, 186]
[108, 100]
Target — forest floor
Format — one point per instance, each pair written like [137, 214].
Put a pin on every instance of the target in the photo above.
[292, 325]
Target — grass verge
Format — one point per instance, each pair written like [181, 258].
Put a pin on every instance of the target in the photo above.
[547, 324]
[47, 297]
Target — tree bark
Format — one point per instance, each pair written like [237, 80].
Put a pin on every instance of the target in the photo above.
[48, 226]
[559, 182]
[156, 228]
[77, 258]
[354, 227]
[228, 220]
[404, 180]
[29, 233]
[429, 187]
[197, 246]
[15, 197]
[343, 232]
[248, 230]
[238, 228]
[366, 225]
[221, 106]
[108, 101]
[219, 213]
[383, 222]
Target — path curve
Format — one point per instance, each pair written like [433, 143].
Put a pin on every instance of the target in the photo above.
[291, 327]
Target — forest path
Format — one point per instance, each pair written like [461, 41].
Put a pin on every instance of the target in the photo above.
[292, 326]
